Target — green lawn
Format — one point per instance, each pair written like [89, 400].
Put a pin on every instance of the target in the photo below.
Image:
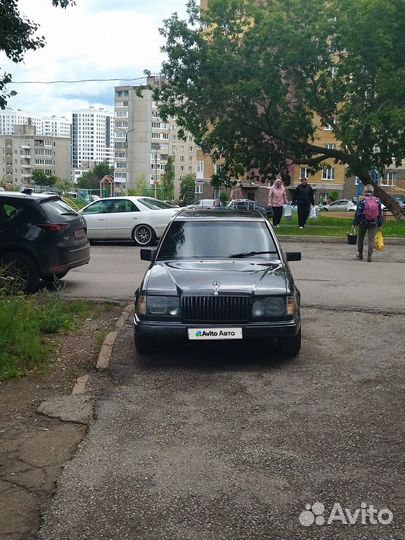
[333, 226]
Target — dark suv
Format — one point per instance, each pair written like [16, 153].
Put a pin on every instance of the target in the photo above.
[40, 237]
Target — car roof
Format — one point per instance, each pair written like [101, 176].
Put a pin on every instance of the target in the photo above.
[32, 196]
[220, 215]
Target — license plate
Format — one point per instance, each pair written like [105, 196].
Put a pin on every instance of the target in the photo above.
[79, 233]
[205, 334]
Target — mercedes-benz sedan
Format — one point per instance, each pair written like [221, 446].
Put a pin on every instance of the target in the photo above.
[218, 276]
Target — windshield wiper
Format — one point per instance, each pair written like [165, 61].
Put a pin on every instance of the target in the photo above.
[249, 254]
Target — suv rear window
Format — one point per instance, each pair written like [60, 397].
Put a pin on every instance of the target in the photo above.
[56, 207]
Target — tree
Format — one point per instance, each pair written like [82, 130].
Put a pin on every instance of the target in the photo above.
[252, 80]
[40, 178]
[17, 36]
[140, 185]
[103, 169]
[167, 180]
[187, 188]
[88, 180]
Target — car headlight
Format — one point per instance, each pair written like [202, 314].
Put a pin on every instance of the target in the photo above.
[269, 307]
[158, 306]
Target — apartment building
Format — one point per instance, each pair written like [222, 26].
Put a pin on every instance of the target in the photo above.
[52, 125]
[143, 141]
[24, 151]
[92, 136]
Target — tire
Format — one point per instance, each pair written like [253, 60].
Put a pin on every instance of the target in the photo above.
[144, 345]
[290, 346]
[143, 235]
[22, 270]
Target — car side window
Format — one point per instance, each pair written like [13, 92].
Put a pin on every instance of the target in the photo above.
[124, 205]
[99, 207]
[8, 210]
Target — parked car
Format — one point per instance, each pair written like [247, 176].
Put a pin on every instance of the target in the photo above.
[341, 205]
[40, 237]
[247, 204]
[400, 200]
[206, 204]
[218, 276]
[142, 219]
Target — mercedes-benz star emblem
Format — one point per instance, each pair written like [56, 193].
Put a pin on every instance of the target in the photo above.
[216, 285]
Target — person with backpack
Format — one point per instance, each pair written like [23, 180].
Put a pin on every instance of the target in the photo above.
[369, 218]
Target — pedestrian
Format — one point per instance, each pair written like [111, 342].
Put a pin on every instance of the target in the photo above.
[277, 199]
[303, 197]
[368, 217]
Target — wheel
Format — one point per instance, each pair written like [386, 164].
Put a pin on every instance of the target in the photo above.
[290, 346]
[144, 345]
[20, 272]
[143, 235]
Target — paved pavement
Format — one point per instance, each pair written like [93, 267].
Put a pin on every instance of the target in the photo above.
[233, 443]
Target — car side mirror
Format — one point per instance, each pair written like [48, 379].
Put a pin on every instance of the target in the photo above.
[147, 254]
[293, 255]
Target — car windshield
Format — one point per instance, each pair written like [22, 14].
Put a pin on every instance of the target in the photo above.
[217, 239]
[154, 204]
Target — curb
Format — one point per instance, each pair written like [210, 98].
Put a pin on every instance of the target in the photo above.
[332, 239]
[108, 343]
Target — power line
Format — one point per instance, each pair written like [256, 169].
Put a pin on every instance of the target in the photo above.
[75, 81]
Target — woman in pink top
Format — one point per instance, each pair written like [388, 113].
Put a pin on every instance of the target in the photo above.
[277, 199]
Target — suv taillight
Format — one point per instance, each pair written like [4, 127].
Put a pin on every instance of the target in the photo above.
[54, 227]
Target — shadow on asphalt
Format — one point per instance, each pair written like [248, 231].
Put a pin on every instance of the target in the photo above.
[215, 357]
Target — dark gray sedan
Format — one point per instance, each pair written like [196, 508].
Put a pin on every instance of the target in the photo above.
[218, 276]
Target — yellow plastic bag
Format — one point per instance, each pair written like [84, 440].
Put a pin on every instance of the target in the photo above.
[379, 241]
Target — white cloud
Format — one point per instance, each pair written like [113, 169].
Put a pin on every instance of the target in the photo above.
[94, 39]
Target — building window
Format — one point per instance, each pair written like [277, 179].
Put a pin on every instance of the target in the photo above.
[389, 180]
[330, 146]
[328, 173]
[198, 188]
[304, 172]
[328, 127]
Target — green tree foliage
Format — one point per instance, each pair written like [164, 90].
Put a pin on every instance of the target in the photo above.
[40, 178]
[252, 80]
[91, 179]
[187, 188]
[167, 180]
[140, 185]
[17, 36]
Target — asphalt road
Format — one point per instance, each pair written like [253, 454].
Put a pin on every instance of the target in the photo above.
[232, 442]
[328, 275]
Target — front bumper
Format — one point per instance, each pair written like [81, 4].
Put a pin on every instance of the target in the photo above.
[177, 331]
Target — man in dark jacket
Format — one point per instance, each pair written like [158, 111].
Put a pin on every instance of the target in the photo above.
[303, 197]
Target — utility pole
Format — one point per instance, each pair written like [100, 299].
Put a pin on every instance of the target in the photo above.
[155, 173]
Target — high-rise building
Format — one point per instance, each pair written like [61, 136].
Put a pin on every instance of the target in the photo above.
[23, 152]
[55, 126]
[144, 142]
[92, 136]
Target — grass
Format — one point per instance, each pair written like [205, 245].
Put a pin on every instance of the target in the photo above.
[25, 321]
[333, 226]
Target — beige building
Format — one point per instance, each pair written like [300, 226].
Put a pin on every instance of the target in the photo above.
[144, 142]
[24, 151]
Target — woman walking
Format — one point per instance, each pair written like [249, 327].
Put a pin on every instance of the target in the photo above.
[277, 199]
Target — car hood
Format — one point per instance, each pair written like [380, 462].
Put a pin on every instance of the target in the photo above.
[230, 276]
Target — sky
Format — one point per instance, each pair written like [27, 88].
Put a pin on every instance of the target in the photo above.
[93, 39]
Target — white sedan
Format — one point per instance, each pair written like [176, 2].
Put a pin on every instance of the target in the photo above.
[142, 219]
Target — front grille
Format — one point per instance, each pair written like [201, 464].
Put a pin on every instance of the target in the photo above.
[216, 308]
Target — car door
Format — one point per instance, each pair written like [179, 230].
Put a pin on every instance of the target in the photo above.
[338, 206]
[122, 219]
[96, 218]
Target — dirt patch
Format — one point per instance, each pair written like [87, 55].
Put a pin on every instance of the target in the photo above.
[33, 447]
